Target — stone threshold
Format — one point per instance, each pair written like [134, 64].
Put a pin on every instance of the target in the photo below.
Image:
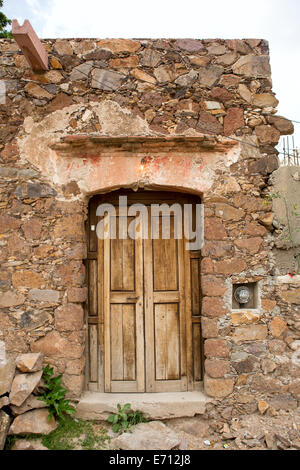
[98, 406]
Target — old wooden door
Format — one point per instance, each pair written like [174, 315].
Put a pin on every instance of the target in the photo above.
[146, 334]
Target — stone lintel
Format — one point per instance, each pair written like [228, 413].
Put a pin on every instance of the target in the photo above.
[29, 43]
[94, 145]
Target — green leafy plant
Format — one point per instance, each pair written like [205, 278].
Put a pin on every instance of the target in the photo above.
[54, 395]
[125, 418]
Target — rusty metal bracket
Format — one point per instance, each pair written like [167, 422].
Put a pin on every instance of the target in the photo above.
[29, 43]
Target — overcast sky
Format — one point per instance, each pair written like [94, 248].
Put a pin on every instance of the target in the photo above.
[278, 21]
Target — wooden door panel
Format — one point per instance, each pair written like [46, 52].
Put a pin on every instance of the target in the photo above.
[123, 342]
[123, 314]
[165, 259]
[167, 342]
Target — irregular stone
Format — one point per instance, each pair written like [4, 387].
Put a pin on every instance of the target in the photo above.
[24, 444]
[32, 228]
[34, 190]
[252, 245]
[267, 134]
[209, 327]
[125, 62]
[218, 388]
[29, 279]
[245, 366]
[30, 403]
[245, 93]
[190, 45]
[55, 345]
[283, 402]
[4, 401]
[221, 94]
[264, 165]
[63, 47]
[217, 49]
[69, 317]
[244, 318]
[143, 76]
[213, 307]
[227, 59]
[77, 294]
[22, 386]
[148, 436]
[11, 299]
[55, 64]
[29, 362]
[234, 120]
[265, 100]
[253, 66]
[44, 295]
[208, 123]
[262, 406]
[201, 61]
[277, 327]
[283, 125]
[37, 92]
[59, 102]
[216, 348]
[216, 368]
[7, 372]
[209, 75]
[250, 333]
[83, 46]
[81, 72]
[193, 426]
[187, 79]
[226, 212]
[150, 58]
[217, 250]
[212, 286]
[106, 80]
[119, 45]
[239, 45]
[74, 384]
[290, 296]
[270, 440]
[230, 266]
[33, 422]
[51, 76]
[4, 427]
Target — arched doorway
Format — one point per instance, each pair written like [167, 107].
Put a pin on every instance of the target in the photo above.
[144, 302]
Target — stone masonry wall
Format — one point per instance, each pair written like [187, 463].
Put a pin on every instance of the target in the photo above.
[208, 89]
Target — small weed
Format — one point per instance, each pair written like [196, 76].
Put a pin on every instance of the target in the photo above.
[125, 418]
[70, 434]
[54, 395]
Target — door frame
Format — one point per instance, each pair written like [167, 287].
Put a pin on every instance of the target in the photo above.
[95, 351]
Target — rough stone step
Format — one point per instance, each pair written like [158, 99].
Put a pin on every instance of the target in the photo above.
[99, 406]
[147, 436]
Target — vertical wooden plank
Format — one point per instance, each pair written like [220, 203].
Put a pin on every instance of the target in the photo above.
[173, 342]
[129, 342]
[149, 313]
[92, 289]
[116, 267]
[116, 335]
[197, 351]
[140, 317]
[93, 350]
[187, 318]
[195, 287]
[106, 306]
[128, 265]
[160, 340]
[165, 260]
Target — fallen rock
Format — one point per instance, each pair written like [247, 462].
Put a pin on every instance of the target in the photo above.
[33, 422]
[22, 386]
[270, 440]
[7, 372]
[148, 436]
[4, 427]
[24, 444]
[30, 362]
[191, 426]
[31, 403]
